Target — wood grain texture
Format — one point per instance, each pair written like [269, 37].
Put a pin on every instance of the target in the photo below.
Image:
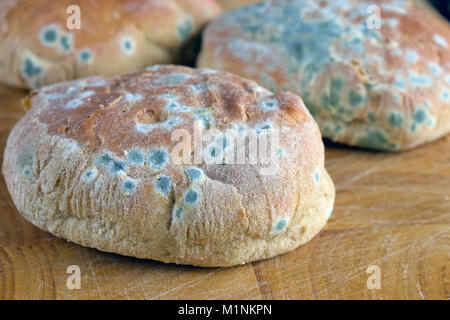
[392, 210]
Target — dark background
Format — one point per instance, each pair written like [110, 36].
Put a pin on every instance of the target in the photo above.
[443, 6]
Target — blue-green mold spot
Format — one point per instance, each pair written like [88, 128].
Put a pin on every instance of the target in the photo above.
[143, 127]
[129, 185]
[264, 127]
[191, 196]
[447, 78]
[178, 213]
[336, 85]
[216, 150]
[66, 42]
[420, 115]
[327, 131]
[313, 108]
[104, 160]
[270, 104]
[25, 161]
[331, 100]
[172, 106]
[225, 141]
[185, 29]
[204, 115]
[419, 80]
[90, 175]
[435, 69]
[356, 45]
[355, 98]
[396, 97]
[79, 100]
[71, 147]
[118, 166]
[153, 67]
[158, 158]
[172, 122]
[280, 153]
[95, 83]
[371, 117]
[400, 82]
[31, 69]
[163, 184]
[412, 56]
[49, 35]
[85, 55]
[395, 119]
[376, 139]
[55, 96]
[174, 78]
[440, 40]
[25, 158]
[194, 174]
[136, 157]
[445, 95]
[316, 177]
[26, 172]
[128, 45]
[73, 104]
[280, 225]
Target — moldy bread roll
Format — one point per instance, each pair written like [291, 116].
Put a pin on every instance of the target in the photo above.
[384, 87]
[114, 37]
[94, 161]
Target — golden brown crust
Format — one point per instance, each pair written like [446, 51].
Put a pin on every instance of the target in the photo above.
[386, 88]
[115, 36]
[93, 161]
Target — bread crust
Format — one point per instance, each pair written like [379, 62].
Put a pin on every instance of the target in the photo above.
[92, 162]
[384, 89]
[115, 36]
[229, 5]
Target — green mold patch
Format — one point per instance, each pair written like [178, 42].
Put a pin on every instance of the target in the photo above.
[376, 139]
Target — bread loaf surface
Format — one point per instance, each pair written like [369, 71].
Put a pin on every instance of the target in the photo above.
[374, 74]
[47, 41]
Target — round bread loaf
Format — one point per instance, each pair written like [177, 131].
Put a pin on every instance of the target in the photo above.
[375, 83]
[96, 161]
[38, 48]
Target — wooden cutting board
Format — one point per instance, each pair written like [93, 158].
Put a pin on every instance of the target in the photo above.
[392, 217]
[392, 211]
